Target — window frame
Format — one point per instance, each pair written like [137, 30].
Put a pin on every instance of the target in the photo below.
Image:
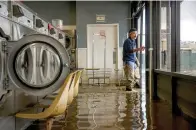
[139, 14]
[175, 36]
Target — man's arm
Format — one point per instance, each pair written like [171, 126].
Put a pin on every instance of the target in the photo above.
[136, 50]
[130, 48]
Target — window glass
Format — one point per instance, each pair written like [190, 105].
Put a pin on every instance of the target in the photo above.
[143, 63]
[139, 35]
[187, 37]
[143, 30]
[138, 30]
[165, 36]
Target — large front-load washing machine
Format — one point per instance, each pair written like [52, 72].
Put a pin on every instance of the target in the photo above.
[36, 64]
[32, 64]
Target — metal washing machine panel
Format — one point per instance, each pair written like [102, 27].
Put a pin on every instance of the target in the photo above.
[5, 24]
[19, 31]
[23, 22]
[3, 8]
[22, 15]
[3, 75]
[37, 64]
[68, 42]
[53, 32]
[61, 38]
[41, 26]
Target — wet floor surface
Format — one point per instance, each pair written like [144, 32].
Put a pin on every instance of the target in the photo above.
[111, 108]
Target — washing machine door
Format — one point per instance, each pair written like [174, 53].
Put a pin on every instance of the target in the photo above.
[37, 64]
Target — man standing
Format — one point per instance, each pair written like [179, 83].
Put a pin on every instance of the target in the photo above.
[131, 63]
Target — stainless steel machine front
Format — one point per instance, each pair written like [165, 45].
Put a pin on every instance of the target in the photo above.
[53, 32]
[41, 26]
[19, 31]
[61, 38]
[70, 45]
[33, 52]
[3, 75]
[33, 60]
[22, 15]
[37, 64]
[3, 8]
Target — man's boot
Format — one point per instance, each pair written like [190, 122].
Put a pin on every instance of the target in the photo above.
[129, 86]
[138, 85]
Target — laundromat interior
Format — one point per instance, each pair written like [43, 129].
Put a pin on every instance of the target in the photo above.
[64, 65]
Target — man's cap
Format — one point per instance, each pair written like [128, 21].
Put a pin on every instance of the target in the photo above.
[132, 30]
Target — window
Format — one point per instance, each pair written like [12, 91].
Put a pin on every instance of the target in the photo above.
[141, 24]
[139, 34]
[143, 63]
[188, 37]
[165, 36]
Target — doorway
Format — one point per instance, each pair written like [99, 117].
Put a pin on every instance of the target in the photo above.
[102, 51]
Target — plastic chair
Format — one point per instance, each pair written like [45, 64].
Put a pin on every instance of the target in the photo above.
[58, 106]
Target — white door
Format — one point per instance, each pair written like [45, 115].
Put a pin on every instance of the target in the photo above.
[103, 51]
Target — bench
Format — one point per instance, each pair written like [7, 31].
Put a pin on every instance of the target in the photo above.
[77, 82]
[59, 104]
[98, 78]
[73, 89]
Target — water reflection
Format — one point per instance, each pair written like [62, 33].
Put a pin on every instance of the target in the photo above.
[117, 110]
[108, 108]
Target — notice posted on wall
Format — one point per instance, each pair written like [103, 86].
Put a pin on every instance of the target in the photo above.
[100, 18]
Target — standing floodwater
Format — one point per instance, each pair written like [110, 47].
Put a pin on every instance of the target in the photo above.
[109, 108]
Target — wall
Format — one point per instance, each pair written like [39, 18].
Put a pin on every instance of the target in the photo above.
[115, 11]
[83, 13]
[178, 90]
[65, 10]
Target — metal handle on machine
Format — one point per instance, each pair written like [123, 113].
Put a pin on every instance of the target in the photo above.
[2, 34]
[66, 65]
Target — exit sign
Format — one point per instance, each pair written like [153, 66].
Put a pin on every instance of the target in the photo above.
[100, 18]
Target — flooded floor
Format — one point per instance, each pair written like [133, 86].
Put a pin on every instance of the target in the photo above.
[111, 108]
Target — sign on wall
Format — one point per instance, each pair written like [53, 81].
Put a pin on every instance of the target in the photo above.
[100, 18]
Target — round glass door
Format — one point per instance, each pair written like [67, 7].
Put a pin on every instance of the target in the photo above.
[37, 65]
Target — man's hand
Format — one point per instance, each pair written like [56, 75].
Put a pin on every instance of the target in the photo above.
[142, 48]
[137, 49]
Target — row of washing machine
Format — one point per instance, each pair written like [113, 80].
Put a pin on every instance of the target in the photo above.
[33, 53]
[17, 20]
